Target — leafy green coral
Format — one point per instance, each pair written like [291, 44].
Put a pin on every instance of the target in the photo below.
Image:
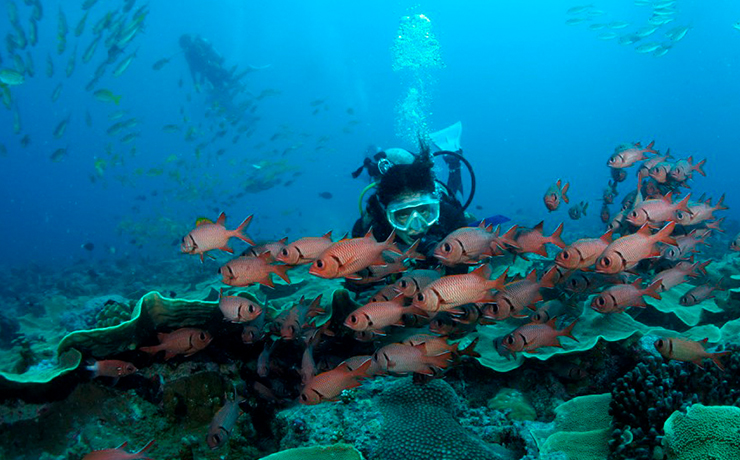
[334, 452]
[703, 433]
[669, 303]
[583, 429]
[591, 327]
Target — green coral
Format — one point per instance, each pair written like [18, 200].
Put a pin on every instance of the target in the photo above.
[113, 314]
[583, 429]
[514, 403]
[420, 424]
[334, 452]
[669, 303]
[703, 433]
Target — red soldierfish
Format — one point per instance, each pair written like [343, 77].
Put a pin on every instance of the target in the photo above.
[414, 281]
[247, 270]
[118, 453]
[238, 309]
[627, 156]
[584, 252]
[529, 337]
[735, 244]
[452, 291]
[700, 212]
[686, 244]
[626, 252]
[616, 299]
[399, 359]
[467, 245]
[377, 315]
[699, 294]
[512, 299]
[111, 368]
[610, 192]
[273, 248]
[578, 210]
[436, 346]
[223, 423]
[533, 240]
[684, 169]
[657, 211]
[207, 236]
[304, 250]
[679, 274]
[660, 172]
[345, 258]
[255, 330]
[185, 341]
[328, 385]
[688, 351]
[555, 194]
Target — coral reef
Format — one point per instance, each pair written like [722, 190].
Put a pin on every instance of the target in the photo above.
[645, 397]
[335, 452]
[514, 404]
[703, 432]
[582, 428]
[419, 423]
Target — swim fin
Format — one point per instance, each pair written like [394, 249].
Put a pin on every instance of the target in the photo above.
[449, 138]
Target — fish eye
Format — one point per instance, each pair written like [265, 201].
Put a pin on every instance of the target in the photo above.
[600, 301]
[251, 308]
[405, 284]
[420, 297]
[606, 261]
[320, 263]
[353, 319]
[304, 397]
[284, 252]
[566, 255]
[659, 343]
[446, 247]
[202, 336]
[217, 438]
[510, 340]
[633, 214]
[679, 214]
[494, 307]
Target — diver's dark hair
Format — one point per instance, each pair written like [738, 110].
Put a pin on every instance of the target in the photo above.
[407, 178]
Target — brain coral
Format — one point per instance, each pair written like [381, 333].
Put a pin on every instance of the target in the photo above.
[703, 433]
[420, 424]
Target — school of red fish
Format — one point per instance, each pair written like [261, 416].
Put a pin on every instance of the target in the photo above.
[648, 247]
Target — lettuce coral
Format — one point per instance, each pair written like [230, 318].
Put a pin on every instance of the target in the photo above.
[703, 433]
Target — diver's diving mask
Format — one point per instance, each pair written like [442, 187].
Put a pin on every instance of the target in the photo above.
[414, 215]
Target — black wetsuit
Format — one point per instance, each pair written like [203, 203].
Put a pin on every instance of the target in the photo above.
[451, 217]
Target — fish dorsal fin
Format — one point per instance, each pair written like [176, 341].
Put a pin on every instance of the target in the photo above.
[327, 235]
[369, 233]
[221, 219]
[552, 323]
[644, 230]
[283, 240]
[484, 271]
[265, 256]
[202, 220]
[607, 237]
[531, 276]
[636, 283]
[539, 227]
[122, 446]
[668, 197]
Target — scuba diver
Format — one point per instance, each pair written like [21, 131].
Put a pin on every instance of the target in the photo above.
[207, 66]
[410, 200]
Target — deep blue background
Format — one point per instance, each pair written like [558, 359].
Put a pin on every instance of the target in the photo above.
[538, 100]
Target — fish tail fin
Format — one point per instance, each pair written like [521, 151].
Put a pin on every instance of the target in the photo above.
[664, 234]
[654, 289]
[555, 237]
[715, 358]
[585, 207]
[145, 448]
[649, 148]
[548, 279]
[563, 192]
[282, 272]
[470, 349]
[390, 245]
[720, 206]
[568, 331]
[117, 99]
[239, 231]
[699, 167]
[714, 225]
[499, 282]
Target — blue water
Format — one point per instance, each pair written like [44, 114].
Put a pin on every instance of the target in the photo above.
[539, 100]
